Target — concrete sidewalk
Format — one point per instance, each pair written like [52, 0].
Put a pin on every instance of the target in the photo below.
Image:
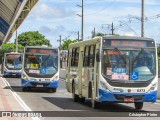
[8, 101]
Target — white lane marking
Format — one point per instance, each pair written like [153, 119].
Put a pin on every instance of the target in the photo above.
[157, 102]
[18, 98]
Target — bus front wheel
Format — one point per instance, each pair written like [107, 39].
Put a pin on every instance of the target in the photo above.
[54, 89]
[74, 96]
[51, 90]
[94, 104]
[138, 105]
[25, 89]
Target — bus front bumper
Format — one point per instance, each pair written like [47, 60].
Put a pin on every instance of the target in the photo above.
[29, 83]
[105, 96]
[12, 73]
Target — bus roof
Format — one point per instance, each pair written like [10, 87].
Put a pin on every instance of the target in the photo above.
[127, 37]
[91, 41]
[40, 47]
[13, 53]
[98, 38]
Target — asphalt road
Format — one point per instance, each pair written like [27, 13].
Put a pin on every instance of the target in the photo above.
[40, 100]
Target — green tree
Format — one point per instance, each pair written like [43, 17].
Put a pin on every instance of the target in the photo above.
[32, 38]
[66, 43]
[102, 34]
[11, 47]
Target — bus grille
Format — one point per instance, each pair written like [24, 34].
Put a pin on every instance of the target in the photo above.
[35, 84]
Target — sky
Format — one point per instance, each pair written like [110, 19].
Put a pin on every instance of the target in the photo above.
[53, 18]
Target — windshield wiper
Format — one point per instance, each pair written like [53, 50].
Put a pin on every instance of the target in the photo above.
[46, 59]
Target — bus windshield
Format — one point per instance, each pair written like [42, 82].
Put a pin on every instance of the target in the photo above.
[41, 65]
[133, 65]
[13, 61]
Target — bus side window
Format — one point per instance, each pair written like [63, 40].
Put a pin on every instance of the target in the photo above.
[75, 57]
[86, 56]
[98, 56]
[92, 55]
[72, 57]
[68, 58]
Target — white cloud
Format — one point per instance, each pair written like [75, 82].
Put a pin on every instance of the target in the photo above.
[57, 17]
[45, 12]
[52, 31]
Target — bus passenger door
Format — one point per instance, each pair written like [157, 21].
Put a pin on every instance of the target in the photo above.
[85, 74]
[68, 76]
[80, 67]
[96, 71]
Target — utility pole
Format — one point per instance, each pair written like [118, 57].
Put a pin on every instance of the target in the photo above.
[112, 29]
[94, 32]
[82, 23]
[142, 20]
[82, 19]
[78, 36]
[16, 42]
[60, 40]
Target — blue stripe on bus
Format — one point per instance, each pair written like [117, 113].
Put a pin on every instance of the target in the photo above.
[110, 96]
[28, 83]
[12, 73]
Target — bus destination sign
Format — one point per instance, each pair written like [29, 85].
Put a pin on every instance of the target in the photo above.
[40, 50]
[128, 43]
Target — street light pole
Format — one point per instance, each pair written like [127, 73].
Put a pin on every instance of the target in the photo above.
[16, 42]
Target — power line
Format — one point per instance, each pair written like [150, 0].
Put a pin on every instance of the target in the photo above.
[101, 9]
[94, 2]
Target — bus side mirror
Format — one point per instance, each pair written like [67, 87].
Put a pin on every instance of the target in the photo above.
[97, 56]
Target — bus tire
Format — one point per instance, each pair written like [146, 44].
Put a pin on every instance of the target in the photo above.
[74, 96]
[50, 90]
[138, 105]
[82, 99]
[24, 89]
[54, 89]
[94, 104]
[90, 90]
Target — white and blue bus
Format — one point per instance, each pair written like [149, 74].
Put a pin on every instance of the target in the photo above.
[120, 69]
[40, 68]
[12, 64]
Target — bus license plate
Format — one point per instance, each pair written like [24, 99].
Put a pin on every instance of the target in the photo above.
[128, 99]
[39, 85]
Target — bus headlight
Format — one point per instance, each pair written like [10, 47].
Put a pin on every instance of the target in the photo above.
[55, 78]
[152, 88]
[103, 85]
[5, 69]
